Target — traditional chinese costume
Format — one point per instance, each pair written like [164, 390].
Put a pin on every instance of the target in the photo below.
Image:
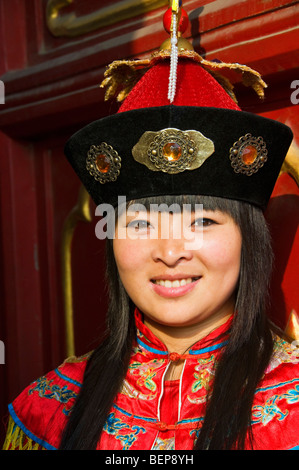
[150, 412]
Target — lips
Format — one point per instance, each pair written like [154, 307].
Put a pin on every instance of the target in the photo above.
[175, 286]
[174, 283]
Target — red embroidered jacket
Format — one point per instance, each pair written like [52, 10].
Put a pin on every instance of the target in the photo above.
[151, 413]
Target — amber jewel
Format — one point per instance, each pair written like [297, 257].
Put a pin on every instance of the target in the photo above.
[248, 154]
[102, 163]
[172, 151]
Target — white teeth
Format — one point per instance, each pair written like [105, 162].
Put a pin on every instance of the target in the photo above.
[176, 283]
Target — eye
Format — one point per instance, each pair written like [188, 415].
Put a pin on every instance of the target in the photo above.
[138, 225]
[203, 222]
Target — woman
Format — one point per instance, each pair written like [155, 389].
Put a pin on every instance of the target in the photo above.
[188, 360]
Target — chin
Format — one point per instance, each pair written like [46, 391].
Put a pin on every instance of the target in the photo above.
[171, 318]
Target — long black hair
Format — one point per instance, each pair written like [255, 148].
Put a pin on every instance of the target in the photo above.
[241, 367]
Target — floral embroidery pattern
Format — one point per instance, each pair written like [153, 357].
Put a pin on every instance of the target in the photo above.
[283, 352]
[122, 431]
[145, 372]
[270, 410]
[293, 395]
[61, 394]
[203, 374]
[264, 414]
[164, 444]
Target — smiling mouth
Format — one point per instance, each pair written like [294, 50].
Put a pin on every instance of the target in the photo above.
[175, 283]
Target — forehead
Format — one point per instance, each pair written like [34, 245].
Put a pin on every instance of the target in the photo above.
[176, 202]
[173, 208]
[161, 208]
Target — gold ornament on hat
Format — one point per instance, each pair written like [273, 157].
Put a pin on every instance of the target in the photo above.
[172, 150]
[248, 154]
[122, 75]
[103, 163]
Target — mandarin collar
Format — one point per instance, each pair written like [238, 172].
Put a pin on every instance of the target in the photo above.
[213, 341]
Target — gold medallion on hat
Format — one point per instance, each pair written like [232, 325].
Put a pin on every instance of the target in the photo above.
[248, 154]
[103, 163]
[172, 150]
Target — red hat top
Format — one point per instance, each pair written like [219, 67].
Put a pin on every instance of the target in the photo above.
[195, 87]
[176, 74]
[179, 130]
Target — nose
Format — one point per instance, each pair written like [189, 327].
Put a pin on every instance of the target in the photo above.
[171, 252]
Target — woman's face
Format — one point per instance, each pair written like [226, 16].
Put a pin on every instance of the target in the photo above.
[175, 280]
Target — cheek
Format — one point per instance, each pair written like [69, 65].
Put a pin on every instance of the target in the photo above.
[131, 259]
[224, 254]
[129, 256]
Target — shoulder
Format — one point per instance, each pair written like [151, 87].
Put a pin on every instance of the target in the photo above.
[285, 356]
[42, 409]
[275, 414]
